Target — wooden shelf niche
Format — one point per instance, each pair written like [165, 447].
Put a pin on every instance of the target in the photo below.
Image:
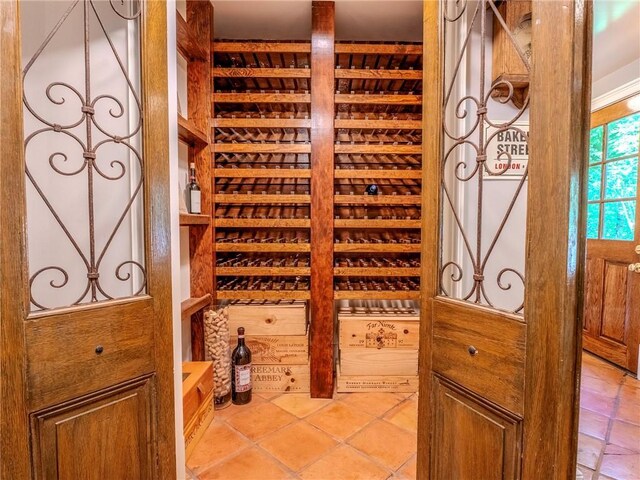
[378, 141]
[194, 35]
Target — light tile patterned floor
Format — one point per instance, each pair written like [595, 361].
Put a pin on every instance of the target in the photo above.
[370, 436]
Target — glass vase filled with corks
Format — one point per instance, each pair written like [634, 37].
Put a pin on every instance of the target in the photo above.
[216, 331]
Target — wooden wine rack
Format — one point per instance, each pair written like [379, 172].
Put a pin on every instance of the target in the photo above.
[299, 129]
[261, 159]
[378, 141]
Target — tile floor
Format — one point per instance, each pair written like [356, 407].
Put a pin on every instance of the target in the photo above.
[370, 436]
[609, 438]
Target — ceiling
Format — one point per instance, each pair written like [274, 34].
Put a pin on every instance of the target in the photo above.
[616, 24]
[373, 20]
[616, 36]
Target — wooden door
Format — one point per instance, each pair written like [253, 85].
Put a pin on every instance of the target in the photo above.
[612, 299]
[86, 332]
[502, 276]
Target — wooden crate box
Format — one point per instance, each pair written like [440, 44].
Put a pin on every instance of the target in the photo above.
[280, 378]
[365, 361]
[269, 319]
[375, 383]
[379, 332]
[197, 401]
[277, 349]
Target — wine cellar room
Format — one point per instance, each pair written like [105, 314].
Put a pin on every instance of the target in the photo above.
[304, 227]
[302, 239]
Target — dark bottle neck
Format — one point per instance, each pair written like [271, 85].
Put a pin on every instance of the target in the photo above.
[241, 341]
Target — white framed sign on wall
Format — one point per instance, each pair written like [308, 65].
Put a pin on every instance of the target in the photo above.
[507, 151]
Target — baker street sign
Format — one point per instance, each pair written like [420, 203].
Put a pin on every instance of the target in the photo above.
[507, 151]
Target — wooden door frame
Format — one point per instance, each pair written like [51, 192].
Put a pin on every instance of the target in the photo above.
[14, 308]
[559, 112]
[604, 115]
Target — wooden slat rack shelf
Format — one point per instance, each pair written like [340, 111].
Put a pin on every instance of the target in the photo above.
[271, 105]
[378, 140]
[264, 295]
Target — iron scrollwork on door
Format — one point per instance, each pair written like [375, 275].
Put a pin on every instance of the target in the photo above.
[83, 153]
[476, 226]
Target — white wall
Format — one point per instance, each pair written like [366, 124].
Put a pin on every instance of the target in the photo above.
[172, 72]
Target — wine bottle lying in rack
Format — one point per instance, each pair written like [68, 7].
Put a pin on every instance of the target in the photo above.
[262, 211]
[263, 283]
[262, 236]
[378, 262]
[387, 213]
[368, 284]
[345, 236]
[262, 186]
[377, 162]
[262, 160]
[240, 260]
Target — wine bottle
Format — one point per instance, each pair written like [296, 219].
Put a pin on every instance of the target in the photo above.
[194, 191]
[241, 375]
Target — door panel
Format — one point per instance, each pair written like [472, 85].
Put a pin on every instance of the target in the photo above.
[116, 348]
[502, 275]
[482, 442]
[86, 346]
[612, 309]
[104, 436]
[484, 352]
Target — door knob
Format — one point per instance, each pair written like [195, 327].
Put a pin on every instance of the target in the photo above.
[638, 249]
[634, 267]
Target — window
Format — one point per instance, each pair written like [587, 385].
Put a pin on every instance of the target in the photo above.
[613, 179]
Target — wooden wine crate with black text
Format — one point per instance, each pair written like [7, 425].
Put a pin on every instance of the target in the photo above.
[280, 378]
[277, 349]
[378, 351]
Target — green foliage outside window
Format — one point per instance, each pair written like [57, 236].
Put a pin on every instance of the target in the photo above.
[620, 182]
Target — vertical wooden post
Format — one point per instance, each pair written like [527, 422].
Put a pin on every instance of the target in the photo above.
[200, 21]
[322, 151]
[559, 118]
[14, 420]
[433, 52]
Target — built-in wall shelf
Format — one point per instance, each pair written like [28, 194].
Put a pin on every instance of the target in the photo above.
[188, 219]
[190, 134]
[193, 305]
